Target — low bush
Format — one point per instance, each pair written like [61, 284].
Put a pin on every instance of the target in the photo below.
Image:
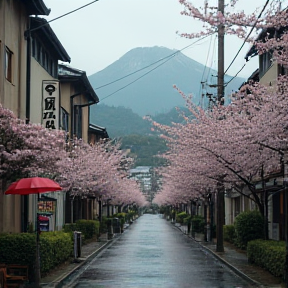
[198, 224]
[180, 217]
[187, 220]
[69, 227]
[229, 234]
[20, 248]
[248, 226]
[88, 228]
[122, 218]
[55, 248]
[103, 225]
[268, 254]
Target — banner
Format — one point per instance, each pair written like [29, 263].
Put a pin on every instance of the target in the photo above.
[50, 104]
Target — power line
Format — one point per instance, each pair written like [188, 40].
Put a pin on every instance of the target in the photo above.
[138, 78]
[169, 56]
[235, 75]
[68, 13]
[241, 47]
[202, 78]
[247, 37]
[210, 67]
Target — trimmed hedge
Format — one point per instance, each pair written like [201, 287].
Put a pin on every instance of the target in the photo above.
[229, 234]
[122, 218]
[180, 217]
[268, 254]
[20, 248]
[89, 228]
[248, 226]
[187, 220]
[198, 224]
[55, 248]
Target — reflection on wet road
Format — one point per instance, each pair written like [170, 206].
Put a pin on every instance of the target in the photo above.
[153, 253]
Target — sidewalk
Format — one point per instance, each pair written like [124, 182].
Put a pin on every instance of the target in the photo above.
[55, 278]
[237, 261]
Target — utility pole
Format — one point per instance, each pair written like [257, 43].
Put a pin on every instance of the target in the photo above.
[221, 32]
[220, 100]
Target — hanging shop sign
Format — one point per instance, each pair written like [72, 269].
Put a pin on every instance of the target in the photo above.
[50, 104]
[46, 206]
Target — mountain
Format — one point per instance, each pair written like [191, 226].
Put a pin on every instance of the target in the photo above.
[121, 121]
[144, 149]
[150, 90]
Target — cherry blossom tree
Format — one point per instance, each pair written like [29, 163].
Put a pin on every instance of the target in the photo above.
[99, 170]
[27, 149]
[240, 143]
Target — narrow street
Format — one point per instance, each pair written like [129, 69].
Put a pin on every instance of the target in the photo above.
[153, 253]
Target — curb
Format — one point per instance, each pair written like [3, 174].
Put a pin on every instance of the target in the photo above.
[230, 266]
[60, 282]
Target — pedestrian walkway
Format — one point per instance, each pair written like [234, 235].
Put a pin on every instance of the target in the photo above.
[232, 257]
[237, 261]
[56, 277]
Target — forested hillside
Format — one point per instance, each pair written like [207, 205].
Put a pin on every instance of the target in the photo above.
[144, 149]
[120, 121]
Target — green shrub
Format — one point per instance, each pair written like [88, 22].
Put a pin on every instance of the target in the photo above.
[130, 215]
[122, 216]
[198, 224]
[103, 225]
[55, 248]
[268, 254]
[20, 248]
[89, 228]
[187, 220]
[69, 227]
[122, 219]
[180, 217]
[229, 234]
[165, 210]
[248, 226]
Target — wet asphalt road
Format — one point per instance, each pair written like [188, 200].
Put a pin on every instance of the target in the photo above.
[153, 253]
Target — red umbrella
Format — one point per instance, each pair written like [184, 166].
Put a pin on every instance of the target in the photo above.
[35, 185]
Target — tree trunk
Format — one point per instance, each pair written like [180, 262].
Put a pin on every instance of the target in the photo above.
[220, 216]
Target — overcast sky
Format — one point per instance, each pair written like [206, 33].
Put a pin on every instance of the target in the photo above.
[99, 34]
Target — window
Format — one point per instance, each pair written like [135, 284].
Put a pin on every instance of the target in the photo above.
[64, 120]
[44, 58]
[265, 62]
[77, 129]
[8, 64]
[237, 206]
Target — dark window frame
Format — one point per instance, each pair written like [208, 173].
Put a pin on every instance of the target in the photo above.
[64, 119]
[8, 62]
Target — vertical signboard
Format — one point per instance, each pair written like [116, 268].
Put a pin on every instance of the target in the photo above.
[50, 104]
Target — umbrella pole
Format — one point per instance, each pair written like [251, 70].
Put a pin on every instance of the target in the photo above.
[37, 263]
